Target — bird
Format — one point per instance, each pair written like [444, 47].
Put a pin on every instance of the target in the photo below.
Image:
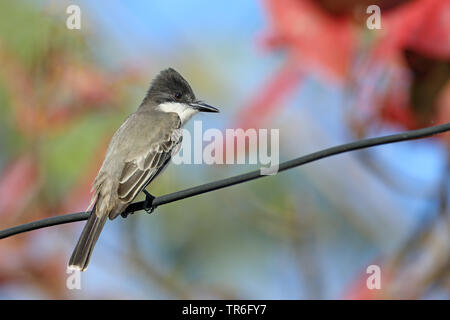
[138, 152]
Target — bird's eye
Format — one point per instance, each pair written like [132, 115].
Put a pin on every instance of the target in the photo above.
[178, 95]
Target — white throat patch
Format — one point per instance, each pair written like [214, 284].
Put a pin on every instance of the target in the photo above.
[184, 111]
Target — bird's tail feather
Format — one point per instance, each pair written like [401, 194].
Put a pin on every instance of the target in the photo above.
[85, 245]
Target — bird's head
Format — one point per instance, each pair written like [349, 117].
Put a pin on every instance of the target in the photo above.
[171, 91]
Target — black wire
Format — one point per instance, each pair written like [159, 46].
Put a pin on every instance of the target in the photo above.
[179, 195]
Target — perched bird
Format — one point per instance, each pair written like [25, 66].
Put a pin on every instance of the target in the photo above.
[138, 152]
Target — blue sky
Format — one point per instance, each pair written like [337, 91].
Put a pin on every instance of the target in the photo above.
[161, 31]
[158, 24]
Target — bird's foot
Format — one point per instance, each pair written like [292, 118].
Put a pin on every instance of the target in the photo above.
[148, 203]
[125, 214]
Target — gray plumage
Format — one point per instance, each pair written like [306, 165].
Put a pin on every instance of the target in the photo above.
[138, 152]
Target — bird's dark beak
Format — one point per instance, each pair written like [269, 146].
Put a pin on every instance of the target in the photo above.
[203, 107]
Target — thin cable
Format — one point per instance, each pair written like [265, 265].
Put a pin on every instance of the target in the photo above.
[220, 184]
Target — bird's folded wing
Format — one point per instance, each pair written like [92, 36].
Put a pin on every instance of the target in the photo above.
[143, 168]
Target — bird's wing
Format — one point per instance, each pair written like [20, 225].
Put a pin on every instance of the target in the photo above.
[143, 167]
[137, 153]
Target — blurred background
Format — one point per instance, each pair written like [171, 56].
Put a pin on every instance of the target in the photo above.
[310, 68]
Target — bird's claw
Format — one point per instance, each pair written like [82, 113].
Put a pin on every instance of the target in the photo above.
[125, 214]
[148, 203]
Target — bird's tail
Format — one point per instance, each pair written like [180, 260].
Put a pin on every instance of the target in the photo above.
[85, 245]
